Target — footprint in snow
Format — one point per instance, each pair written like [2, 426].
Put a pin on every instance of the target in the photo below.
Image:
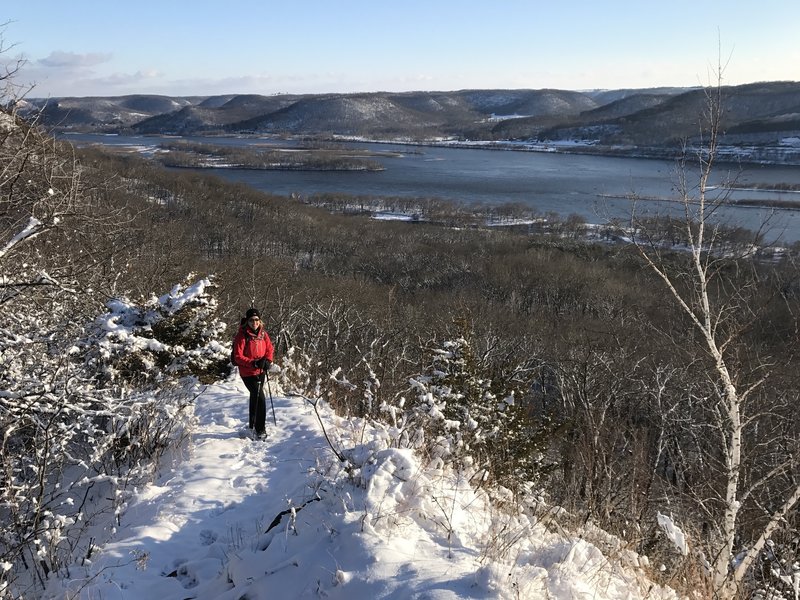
[208, 537]
[215, 512]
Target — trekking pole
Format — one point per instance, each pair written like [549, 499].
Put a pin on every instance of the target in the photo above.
[258, 396]
[271, 403]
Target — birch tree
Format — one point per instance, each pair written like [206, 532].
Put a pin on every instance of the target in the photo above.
[738, 414]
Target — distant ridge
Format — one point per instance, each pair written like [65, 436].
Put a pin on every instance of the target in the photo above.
[760, 114]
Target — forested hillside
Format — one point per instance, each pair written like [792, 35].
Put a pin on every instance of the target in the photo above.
[593, 373]
[759, 122]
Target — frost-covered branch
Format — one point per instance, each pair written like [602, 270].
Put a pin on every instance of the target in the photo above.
[32, 229]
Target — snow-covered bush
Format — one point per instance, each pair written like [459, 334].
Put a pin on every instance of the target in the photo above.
[174, 335]
[86, 414]
[462, 413]
[295, 375]
[463, 417]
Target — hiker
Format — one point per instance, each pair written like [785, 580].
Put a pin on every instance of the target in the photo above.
[252, 353]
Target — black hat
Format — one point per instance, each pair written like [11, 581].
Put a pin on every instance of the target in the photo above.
[252, 312]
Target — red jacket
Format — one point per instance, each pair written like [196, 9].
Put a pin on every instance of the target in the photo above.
[249, 346]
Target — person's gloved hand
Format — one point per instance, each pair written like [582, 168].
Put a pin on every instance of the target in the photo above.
[262, 363]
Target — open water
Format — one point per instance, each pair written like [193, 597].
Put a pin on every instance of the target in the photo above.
[595, 187]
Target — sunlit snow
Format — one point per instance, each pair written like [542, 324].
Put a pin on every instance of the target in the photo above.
[285, 518]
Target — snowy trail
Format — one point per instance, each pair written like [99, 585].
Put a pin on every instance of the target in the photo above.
[240, 519]
[213, 504]
[203, 527]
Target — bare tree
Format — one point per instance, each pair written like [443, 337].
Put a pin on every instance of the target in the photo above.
[750, 465]
[10, 90]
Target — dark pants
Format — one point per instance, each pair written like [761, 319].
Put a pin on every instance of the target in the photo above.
[258, 402]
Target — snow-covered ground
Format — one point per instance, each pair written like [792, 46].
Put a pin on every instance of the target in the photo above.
[284, 518]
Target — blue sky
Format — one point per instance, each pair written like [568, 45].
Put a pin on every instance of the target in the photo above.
[197, 47]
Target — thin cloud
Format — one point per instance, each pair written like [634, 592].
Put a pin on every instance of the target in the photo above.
[245, 84]
[71, 60]
[123, 79]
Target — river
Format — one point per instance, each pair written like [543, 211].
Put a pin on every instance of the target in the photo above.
[595, 187]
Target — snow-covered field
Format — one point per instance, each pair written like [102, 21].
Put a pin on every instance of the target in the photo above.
[285, 518]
